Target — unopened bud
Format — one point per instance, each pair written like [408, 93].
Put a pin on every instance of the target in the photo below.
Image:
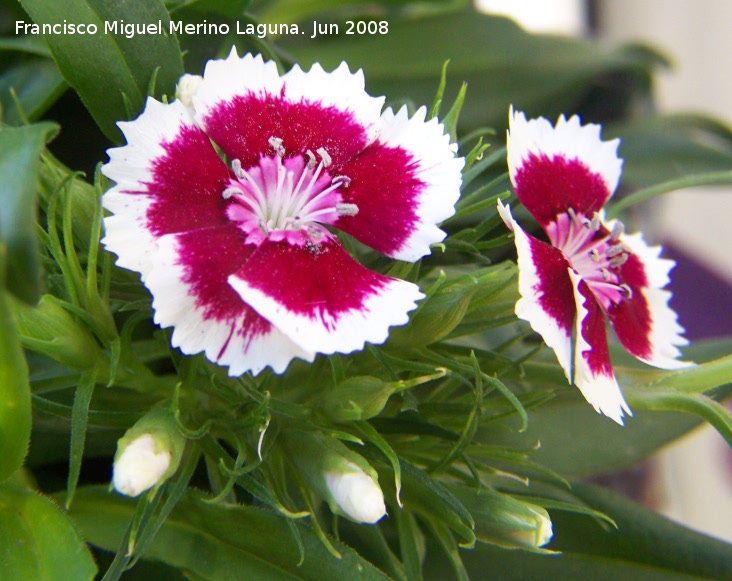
[51, 330]
[148, 454]
[356, 494]
[337, 474]
[140, 466]
[503, 520]
[363, 397]
[533, 528]
[186, 88]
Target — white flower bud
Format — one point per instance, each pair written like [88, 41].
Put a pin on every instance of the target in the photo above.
[356, 494]
[140, 465]
[186, 88]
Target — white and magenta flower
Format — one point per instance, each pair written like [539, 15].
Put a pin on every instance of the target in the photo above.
[591, 269]
[225, 201]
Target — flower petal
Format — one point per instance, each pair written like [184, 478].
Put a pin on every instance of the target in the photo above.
[593, 371]
[169, 179]
[556, 168]
[320, 298]
[547, 299]
[644, 322]
[188, 282]
[243, 103]
[403, 184]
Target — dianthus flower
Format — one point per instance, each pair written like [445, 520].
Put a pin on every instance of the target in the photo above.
[226, 200]
[591, 269]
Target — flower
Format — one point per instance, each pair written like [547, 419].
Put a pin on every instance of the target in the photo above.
[140, 465]
[234, 240]
[591, 269]
[356, 494]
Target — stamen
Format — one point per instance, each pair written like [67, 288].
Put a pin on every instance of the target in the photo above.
[229, 192]
[327, 161]
[341, 181]
[618, 230]
[618, 260]
[594, 255]
[237, 169]
[573, 216]
[311, 163]
[345, 209]
[605, 274]
[595, 224]
[276, 143]
[627, 290]
[614, 250]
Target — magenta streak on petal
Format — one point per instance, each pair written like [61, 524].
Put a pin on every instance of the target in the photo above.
[548, 186]
[594, 332]
[385, 187]
[631, 319]
[208, 257]
[317, 281]
[554, 287]
[243, 127]
[186, 185]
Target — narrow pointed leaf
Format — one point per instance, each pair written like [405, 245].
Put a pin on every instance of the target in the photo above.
[102, 67]
[220, 541]
[20, 150]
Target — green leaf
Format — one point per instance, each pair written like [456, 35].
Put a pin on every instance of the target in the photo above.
[36, 84]
[501, 63]
[642, 537]
[576, 441]
[37, 541]
[670, 149]
[20, 150]
[220, 541]
[15, 394]
[603, 445]
[105, 67]
[296, 10]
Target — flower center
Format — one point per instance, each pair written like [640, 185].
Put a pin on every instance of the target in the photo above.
[281, 195]
[594, 253]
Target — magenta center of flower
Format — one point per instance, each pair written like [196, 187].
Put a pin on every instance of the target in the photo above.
[594, 253]
[286, 197]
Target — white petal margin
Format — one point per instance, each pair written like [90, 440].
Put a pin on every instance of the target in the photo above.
[666, 332]
[174, 304]
[437, 166]
[569, 139]
[224, 79]
[340, 89]
[126, 232]
[388, 307]
[600, 391]
[528, 307]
